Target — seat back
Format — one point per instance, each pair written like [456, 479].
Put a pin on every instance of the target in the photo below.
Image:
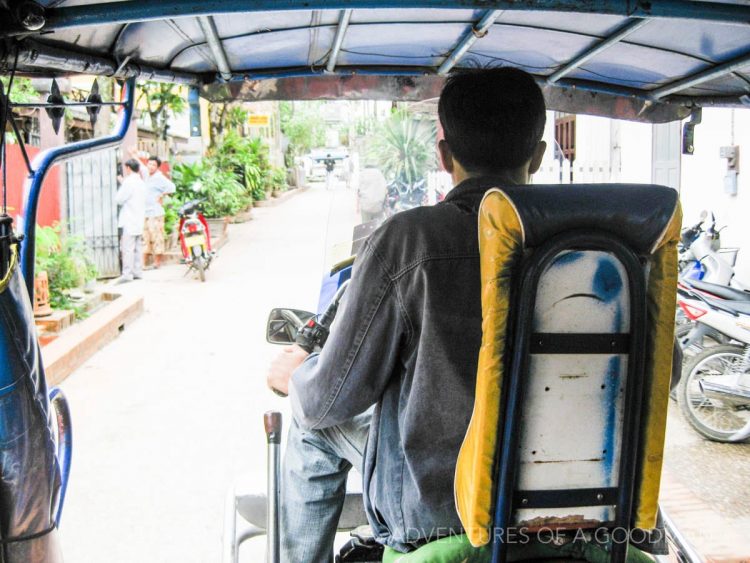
[578, 297]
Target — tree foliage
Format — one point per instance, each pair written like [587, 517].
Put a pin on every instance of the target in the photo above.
[161, 101]
[405, 147]
[23, 92]
[67, 262]
[304, 126]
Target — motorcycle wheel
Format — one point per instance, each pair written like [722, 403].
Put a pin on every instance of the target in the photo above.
[200, 265]
[712, 418]
[712, 338]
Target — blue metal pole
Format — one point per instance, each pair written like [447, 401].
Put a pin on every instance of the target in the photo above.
[145, 10]
[704, 76]
[303, 72]
[45, 160]
[65, 444]
[590, 53]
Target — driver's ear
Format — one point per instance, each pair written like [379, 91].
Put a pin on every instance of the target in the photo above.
[446, 156]
[536, 157]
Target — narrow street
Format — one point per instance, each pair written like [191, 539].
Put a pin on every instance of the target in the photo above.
[169, 416]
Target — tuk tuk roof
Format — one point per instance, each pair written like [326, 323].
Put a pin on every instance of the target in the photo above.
[635, 59]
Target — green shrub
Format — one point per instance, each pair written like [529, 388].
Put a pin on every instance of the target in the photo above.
[67, 263]
[221, 192]
[278, 179]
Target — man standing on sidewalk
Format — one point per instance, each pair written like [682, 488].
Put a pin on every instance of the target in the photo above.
[131, 197]
[157, 186]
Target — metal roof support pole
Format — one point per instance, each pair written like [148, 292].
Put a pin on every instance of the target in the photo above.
[147, 10]
[703, 76]
[476, 32]
[624, 31]
[45, 160]
[37, 55]
[346, 15]
[208, 25]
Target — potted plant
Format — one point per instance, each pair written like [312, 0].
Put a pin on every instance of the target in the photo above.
[66, 261]
[278, 181]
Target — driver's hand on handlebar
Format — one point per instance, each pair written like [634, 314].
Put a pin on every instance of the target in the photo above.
[282, 367]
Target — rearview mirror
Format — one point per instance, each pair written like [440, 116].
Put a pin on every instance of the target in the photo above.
[283, 325]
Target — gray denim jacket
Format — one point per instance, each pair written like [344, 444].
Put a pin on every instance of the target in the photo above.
[407, 339]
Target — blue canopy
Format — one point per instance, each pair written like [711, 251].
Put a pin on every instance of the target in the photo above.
[660, 57]
[641, 60]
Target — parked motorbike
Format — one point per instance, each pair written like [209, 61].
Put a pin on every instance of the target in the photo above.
[195, 238]
[714, 392]
[402, 196]
[702, 258]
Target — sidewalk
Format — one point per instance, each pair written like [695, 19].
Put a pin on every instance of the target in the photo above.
[706, 491]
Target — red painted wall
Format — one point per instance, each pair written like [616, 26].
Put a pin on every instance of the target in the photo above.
[49, 201]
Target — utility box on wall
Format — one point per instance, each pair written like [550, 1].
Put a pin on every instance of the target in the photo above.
[732, 154]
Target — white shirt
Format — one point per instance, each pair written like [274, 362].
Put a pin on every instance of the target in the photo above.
[156, 186]
[131, 197]
[372, 190]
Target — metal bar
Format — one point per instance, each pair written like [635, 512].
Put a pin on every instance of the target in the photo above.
[45, 160]
[208, 25]
[687, 551]
[272, 423]
[36, 55]
[346, 15]
[624, 31]
[146, 10]
[65, 105]
[21, 144]
[65, 444]
[472, 35]
[229, 544]
[702, 76]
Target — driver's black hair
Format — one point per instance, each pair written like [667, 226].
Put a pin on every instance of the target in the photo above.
[492, 118]
[133, 164]
[156, 159]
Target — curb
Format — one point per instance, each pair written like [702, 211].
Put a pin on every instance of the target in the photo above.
[281, 199]
[77, 344]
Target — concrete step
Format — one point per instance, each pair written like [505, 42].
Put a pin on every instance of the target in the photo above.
[82, 340]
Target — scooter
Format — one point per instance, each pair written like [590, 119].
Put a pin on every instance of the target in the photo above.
[402, 196]
[195, 238]
[701, 257]
[714, 391]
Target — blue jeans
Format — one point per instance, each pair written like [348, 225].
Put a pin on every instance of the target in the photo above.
[313, 486]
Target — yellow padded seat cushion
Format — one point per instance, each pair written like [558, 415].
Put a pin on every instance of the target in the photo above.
[501, 244]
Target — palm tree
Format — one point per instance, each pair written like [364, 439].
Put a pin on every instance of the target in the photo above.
[405, 148]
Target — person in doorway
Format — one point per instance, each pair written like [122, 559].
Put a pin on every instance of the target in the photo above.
[157, 187]
[330, 165]
[131, 197]
[371, 193]
[393, 389]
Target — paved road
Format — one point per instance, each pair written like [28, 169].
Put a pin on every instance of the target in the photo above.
[168, 416]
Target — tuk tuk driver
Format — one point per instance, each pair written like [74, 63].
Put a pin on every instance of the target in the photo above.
[393, 389]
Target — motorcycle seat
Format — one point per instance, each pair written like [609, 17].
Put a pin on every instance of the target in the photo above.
[733, 307]
[721, 291]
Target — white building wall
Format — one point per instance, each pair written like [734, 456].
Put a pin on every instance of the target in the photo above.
[635, 152]
[622, 151]
[703, 180]
[549, 171]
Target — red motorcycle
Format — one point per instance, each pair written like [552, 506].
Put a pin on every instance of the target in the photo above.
[195, 238]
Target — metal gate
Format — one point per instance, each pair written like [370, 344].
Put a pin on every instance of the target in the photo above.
[92, 210]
